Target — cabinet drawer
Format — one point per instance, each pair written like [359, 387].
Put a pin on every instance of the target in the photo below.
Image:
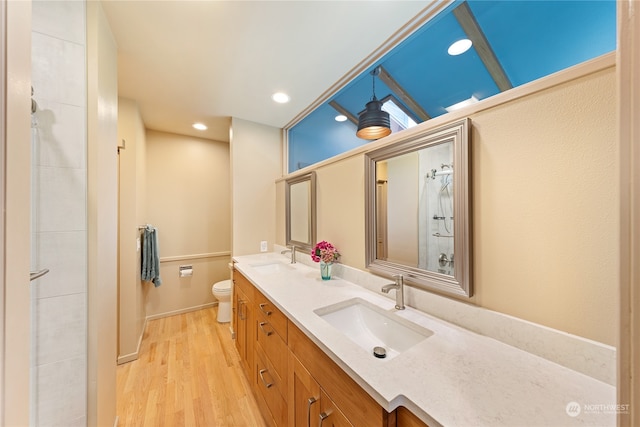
[269, 384]
[271, 314]
[274, 348]
[245, 335]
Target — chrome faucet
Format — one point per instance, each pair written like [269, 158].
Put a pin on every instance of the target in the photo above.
[293, 253]
[399, 287]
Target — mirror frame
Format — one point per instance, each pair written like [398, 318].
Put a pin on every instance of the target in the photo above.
[460, 283]
[311, 177]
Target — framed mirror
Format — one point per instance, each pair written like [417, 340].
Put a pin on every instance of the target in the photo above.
[418, 210]
[300, 205]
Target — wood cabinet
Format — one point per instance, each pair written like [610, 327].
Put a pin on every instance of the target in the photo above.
[295, 383]
[341, 398]
[304, 395]
[243, 320]
[309, 405]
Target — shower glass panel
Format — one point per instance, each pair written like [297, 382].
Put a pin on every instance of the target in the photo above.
[436, 210]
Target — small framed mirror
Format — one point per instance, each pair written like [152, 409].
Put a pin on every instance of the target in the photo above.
[300, 205]
[418, 210]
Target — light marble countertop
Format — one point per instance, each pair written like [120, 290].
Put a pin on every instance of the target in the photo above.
[453, 378]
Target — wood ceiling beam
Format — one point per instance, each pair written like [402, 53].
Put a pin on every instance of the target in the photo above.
[402, 94]
[340, 109]
[470, 26]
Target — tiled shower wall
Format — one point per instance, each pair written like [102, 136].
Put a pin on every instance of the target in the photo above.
[59, 188]
[434, 202]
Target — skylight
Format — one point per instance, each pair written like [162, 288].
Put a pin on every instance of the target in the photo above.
[398, 116]
[461, 104]
[426, 82]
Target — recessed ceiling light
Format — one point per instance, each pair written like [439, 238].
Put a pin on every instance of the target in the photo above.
[341, 118]
[199, 126]
[459, 47]
[461, 104]
[280, 97]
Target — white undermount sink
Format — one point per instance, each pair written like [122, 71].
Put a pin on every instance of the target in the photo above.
[271, 267]
[370, 326]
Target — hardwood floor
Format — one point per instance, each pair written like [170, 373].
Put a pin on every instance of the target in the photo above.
[187, 374]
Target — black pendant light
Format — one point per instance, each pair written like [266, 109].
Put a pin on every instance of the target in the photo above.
[373, 123]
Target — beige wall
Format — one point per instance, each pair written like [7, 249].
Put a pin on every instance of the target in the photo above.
[16, 350]
[545, 207]
[256, 162]
[188, 194]
[102, 191]
[340, 208]
[132, 212]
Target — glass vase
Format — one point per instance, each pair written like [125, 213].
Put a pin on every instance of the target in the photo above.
[325, 270]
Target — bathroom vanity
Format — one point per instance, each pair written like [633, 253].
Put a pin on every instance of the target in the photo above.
[305, 369]
[294, 381]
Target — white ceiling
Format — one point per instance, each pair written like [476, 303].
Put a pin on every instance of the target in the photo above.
[187, 61]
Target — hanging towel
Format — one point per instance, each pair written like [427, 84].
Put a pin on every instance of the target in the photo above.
[150, 256]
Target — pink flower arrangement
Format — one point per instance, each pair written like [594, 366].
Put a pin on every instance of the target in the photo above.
[324, 251]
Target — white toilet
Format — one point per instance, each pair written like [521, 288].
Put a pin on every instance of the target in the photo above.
[222, 292]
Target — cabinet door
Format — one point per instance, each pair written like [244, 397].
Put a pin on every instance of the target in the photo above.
[240, 302]
[234, 313]
[245, 312]
[244, 344]
[330, 415]
[304, 396]
[406, 418]
[360, 408]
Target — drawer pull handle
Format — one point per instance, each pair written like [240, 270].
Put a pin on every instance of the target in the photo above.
[323, 416]
[241, 312]
[267, 333]
[310, 402]
[265, 382]
[262, 306]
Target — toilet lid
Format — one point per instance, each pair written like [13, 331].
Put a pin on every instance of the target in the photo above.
[223, 286]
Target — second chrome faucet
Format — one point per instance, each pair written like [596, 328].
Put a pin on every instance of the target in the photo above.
[399, 287]
[293, 253]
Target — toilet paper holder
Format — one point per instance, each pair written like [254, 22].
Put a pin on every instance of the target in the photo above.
[185, 270]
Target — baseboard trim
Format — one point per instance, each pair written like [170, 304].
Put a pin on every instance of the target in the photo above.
[181, 311]
[127, 358]
[133, 356]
